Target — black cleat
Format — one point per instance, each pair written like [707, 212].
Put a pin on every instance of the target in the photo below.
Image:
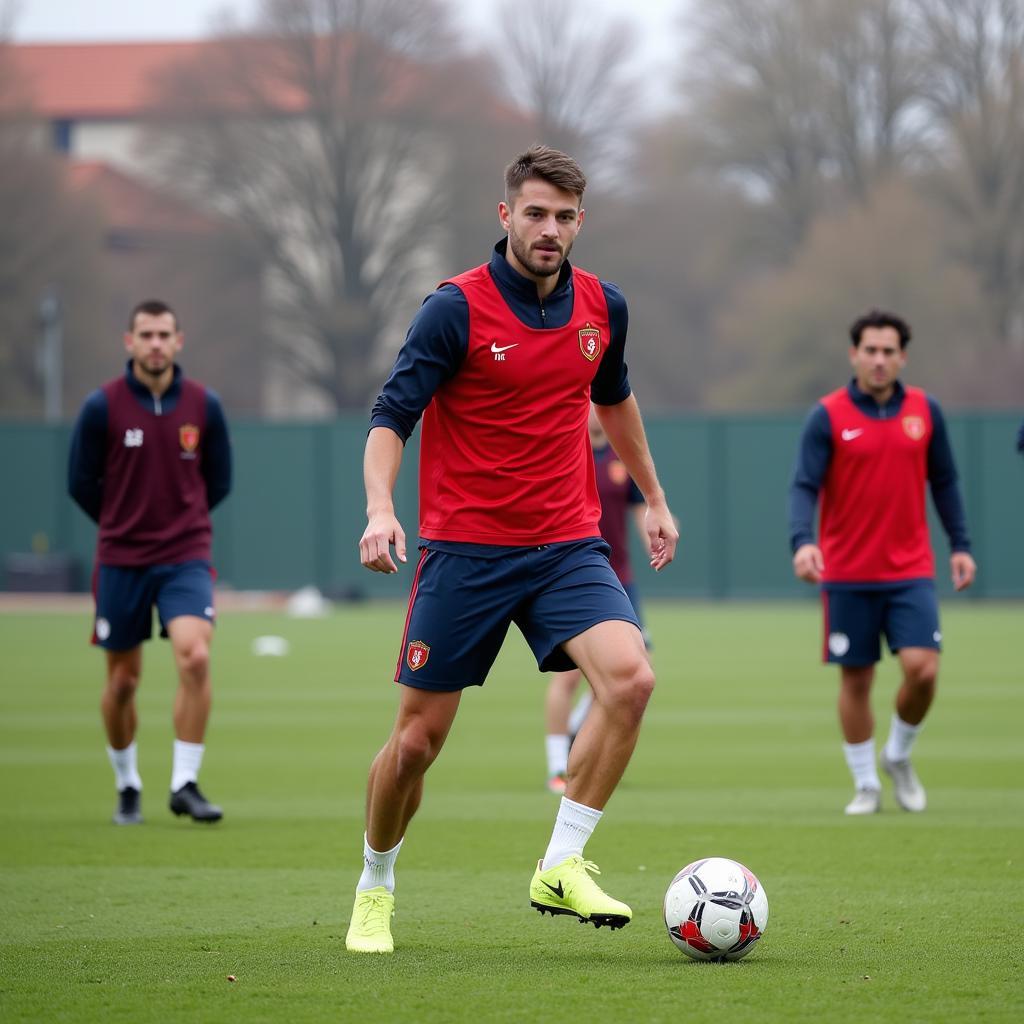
[129, 807]
[188, 800]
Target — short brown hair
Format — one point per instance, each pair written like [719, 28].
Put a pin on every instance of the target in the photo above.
[879, 318]
[151, 307]
[550, 165]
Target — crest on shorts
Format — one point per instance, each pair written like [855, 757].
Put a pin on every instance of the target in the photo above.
[417, 654]
[590, 342]
[913, 427]
[188, 435]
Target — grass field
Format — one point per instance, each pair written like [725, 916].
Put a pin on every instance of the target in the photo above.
[910, 918]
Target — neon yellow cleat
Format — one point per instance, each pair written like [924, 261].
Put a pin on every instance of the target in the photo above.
[370, 929]
[567, 888]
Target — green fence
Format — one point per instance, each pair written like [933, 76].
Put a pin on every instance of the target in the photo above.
[297, 509]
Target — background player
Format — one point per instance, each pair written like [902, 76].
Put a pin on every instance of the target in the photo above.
[620, 500]
[868, 449]
[503, 362]
[150, 456]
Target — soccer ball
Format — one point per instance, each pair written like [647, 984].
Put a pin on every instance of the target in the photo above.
[715, 909]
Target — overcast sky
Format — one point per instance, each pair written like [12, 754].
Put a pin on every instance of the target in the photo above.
[119, 20]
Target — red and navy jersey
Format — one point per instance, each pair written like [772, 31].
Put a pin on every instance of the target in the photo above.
[618, 493]
[504, 383]
[869, 465]
[149, 470]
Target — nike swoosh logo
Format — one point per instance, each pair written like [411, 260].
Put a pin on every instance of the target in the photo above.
[559, 892]
[850, 435]
[495, 347]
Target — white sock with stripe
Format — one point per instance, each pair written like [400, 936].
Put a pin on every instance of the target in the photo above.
[126, 767]
[860, 759]
[573, 827]
[378, 868]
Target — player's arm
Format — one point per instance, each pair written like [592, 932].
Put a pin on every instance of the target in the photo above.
[381, 462]
[434, 348]
[813, 457]
[625, 429]
[216, 465]
[944, 482]
[620, 417]
[87, 456]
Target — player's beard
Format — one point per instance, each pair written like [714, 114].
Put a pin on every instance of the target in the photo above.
[522, 253]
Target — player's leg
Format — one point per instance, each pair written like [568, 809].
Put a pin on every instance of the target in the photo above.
[393, 795]
[582, 617]
[852, 625]
[123, 621]
[120, 721]
[557, 708]
[459, 612]
[912, 627]
[185, 603]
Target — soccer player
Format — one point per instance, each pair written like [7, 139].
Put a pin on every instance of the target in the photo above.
[867, 450]
[620, 500]
[503, 362]
[150, 456]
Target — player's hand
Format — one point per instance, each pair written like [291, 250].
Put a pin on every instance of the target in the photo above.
[662, 534]
[382, 530]
[963, 568]
[808, 564]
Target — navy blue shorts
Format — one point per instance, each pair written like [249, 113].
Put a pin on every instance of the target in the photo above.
[461, 606]
[855, 620]
[125, 596]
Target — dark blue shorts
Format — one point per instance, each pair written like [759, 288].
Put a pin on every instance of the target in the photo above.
[125, 596]
[856, 618]
[461, 606]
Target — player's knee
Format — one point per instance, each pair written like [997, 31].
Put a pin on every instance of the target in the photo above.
[922, 672]
[416, 748]
[632, 690]
[121, 686]
[195, 660]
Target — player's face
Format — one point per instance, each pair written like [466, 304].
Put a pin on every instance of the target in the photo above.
[877, 360]
[153, 342]
[542, 224]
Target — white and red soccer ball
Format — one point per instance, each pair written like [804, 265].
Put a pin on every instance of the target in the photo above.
[716, 909]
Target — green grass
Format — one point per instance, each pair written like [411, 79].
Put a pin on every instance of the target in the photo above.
[910, 918]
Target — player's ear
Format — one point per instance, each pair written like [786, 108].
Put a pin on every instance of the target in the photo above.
[504, 214]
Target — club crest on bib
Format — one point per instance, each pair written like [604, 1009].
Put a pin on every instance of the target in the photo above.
[188, 435]
[913, 427]
[590, 342]
[417, 654]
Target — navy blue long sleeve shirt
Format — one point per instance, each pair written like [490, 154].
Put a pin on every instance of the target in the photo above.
[89, 443]
[815, 454]
[438, 339]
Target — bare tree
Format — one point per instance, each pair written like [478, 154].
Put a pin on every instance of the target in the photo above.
[800, 99]
[974, 52]
[568, 70]
[49, 243]
[324, 136]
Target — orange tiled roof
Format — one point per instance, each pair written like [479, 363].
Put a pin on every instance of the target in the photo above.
[95, 80]
[131, 205]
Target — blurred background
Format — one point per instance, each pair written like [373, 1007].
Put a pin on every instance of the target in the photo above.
[294, 176]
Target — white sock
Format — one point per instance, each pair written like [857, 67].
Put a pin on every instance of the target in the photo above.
[126, 767]
[901, 739]
[573, 827]
[188, 758]
[860, 758]
[378, 868]
[558, 754]
[579, 712]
